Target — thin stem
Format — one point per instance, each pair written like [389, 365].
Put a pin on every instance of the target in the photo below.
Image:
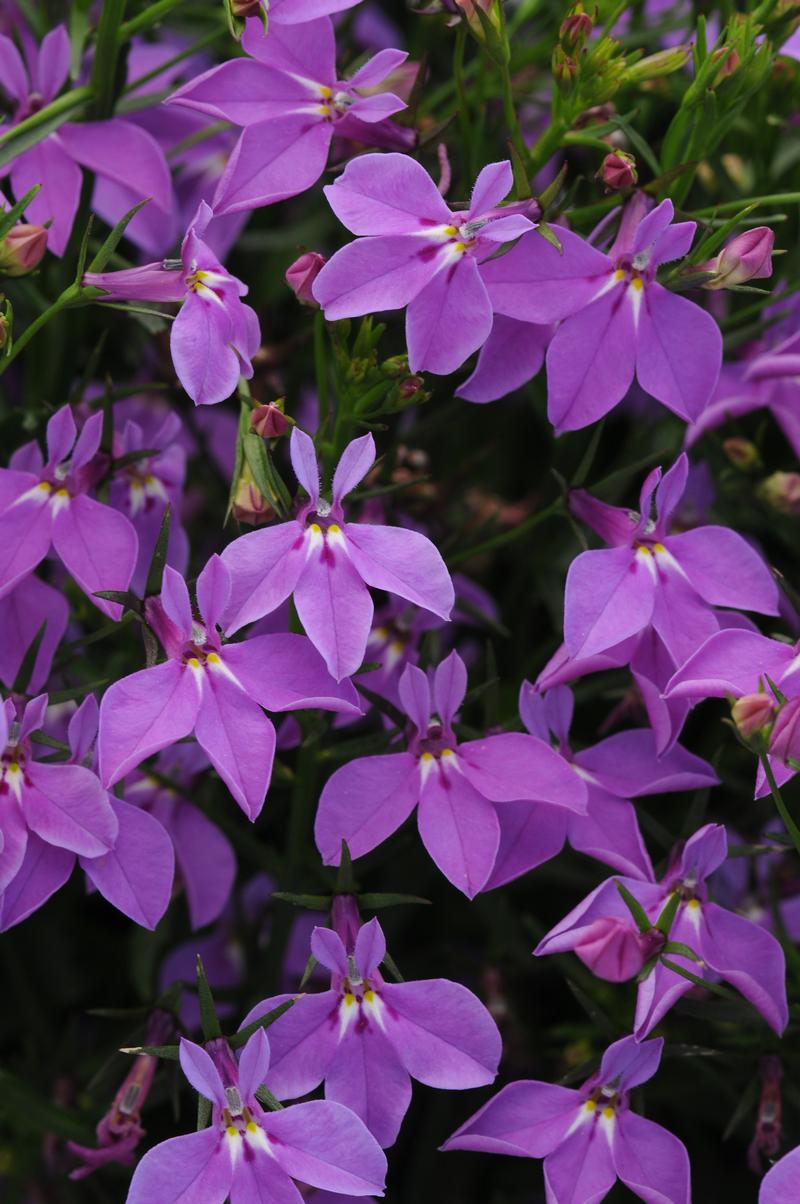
[509, 107]
[506, 537]
[58, 108]
[68, 297]
[149, 17]
[463, 102]
[321, 369]
[780, 805]
[106, 53]
[775, 198]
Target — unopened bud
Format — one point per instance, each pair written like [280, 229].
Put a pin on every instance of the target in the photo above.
[238, 11]
[615, 950]
[22, 249]
[728, 60]
[268, 421]
[751, 713]
[576, 27]
[565, 71]
[249, 504]
[300, 276]
[748, 256]
[785, 740]
[246, 8]
[741, 453]
[4, 331]
[618, 171]
[653, 66]
[409, 387]
[782, 492]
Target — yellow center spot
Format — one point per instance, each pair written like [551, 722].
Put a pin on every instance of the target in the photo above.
[448, 752]
[45, 486]
[397, 646]
[231, 1130]
[608, 1113]
[349, 1000]
[659, 547]
[369, 996]
[149, 479]
[62, 493]
[451, 230]
[334, 529]
[213, 658]
[643, 549]
[694, 904]
[252, 1127]
[426, 756]
[325, 92]
[590, 1105]
[381, 633]
[619, 274]
[638, 283]
[193, 662]
[14, 767]
[324, 110]
[316, 528]
[460, 246]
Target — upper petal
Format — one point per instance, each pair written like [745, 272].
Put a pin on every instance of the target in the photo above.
[386, 194]
[514, 765]
[144, 713]
[527, 1118]
[402, 562]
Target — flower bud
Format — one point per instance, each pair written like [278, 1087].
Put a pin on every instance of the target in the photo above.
[576, 27]
[653, 66]
[246, 8]
[614, 949]
[782, 492]
[751, 713]
[301, 275]
[746, 257]
[268, 421]
[22, 249]
[4, 331]
[729, 62]
[565, 70]
[249, 504]
[741, 453]
[618, 171]
[785, 740]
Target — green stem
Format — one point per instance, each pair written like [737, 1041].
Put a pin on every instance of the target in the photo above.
[780, 805]
[59, 108]
[149, 17]
[776, 198]
[546, 145]
[103, 79]
[509, 107]
[67, 298]
[463, 102]
[321, 369]
[506, 537]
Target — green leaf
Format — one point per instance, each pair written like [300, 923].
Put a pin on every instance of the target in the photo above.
[170, 1053]
[79, 17]
[634, 907]
[312, 902]
[680, 950]
[203, 1112]
[9, 217]
[22, 680]
[668, 912]
[374, 902]
[244, 1034]
[549, 235]
[345, 879]
[159, 559]
[270, 1101]
[391, 966]
[714, 987]
[112, 241]
[104, 80]
[209, 1021]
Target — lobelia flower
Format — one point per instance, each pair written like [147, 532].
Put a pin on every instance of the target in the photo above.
[291, 104]
[730, 946]
[781, 1183]
[617, 769]
[459, 789]
[128, 162]
[367, 1038]
[248, 1154]
[588, 1137]
[51, 811]
[418, 253]
[215, 335]
[616, 320]
[44, 503]
[215, 691]
[31, 605]
[327, 563]
[298, 12]
[135, 876]
[651, 578]
[119, 1131]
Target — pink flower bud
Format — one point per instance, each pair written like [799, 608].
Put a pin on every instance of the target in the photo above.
[785, 741]
[3, 331]
[301, 275]
[249, 504]
[781, 490]
[746, 257]
[268, 421]
[576, 27]
[246, 8]
[22, 249]
[614, 949]
[618, 171]
[741, 452]
[751, 713]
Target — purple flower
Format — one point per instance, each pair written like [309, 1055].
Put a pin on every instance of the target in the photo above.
[23, 611]
[215, 335]
[327, 563]
[729, 946]
[291, 103]
[781, 1184]
[48, 503]
[418, 254]
[651, 578]
[127, 160]
[50, 810]
[617, 769]
[298, 12]
[588, 1138]
[247, 1154]
[459, 789]
[366, 1038]
[214, 690]
[616, 320]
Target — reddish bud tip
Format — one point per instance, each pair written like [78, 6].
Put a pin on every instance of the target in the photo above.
[22, 249]
[300, 276]
[269, 421]
[618, 171]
